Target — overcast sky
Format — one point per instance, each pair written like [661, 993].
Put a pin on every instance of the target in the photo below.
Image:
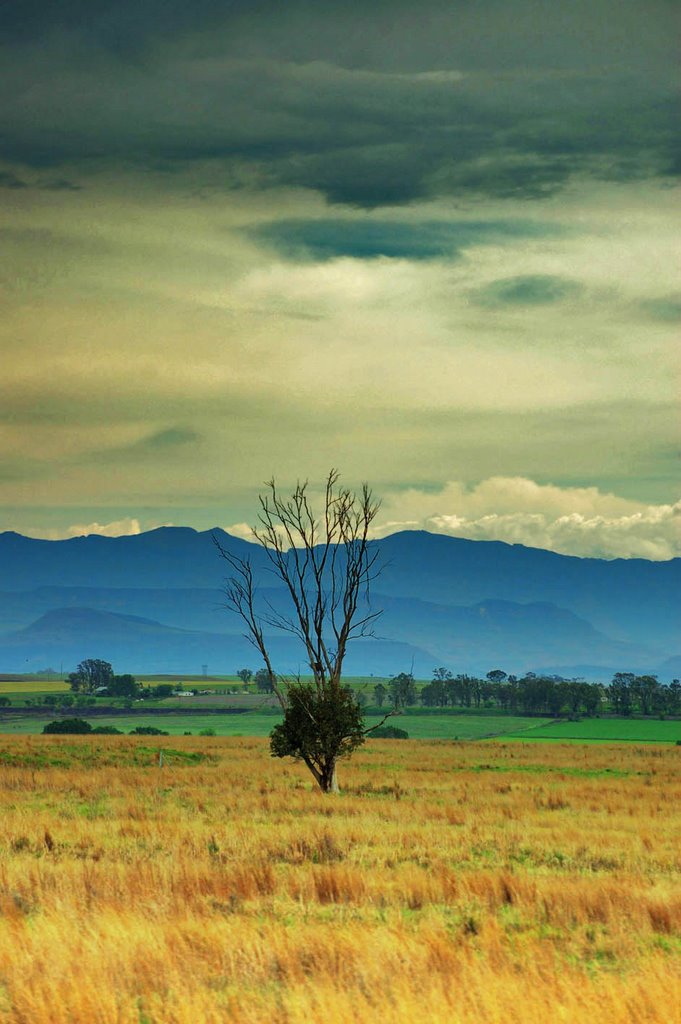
[434, 244]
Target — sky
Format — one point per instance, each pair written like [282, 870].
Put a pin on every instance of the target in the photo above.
[432, 244]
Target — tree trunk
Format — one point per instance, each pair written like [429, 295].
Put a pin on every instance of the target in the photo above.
[328, 780]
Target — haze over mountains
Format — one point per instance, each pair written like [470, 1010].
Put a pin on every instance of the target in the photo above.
[153, 603]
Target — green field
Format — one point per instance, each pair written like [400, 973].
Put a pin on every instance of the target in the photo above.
[254, 723]
[419, 723]
[248, 724]
[462, 727]
[635, 730]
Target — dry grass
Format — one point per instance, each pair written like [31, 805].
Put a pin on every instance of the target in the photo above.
[20, 687]
[463, 883]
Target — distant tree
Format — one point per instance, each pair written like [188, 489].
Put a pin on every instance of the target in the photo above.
[496, 676]
[460, 690]
[69, 726]
[161, 691]
[245, 675]
[107, 730]
[380, 693]
[91, 674]
[147, 730]
[620, 692]
[440, 675]
[264, 680]
[674, 697]
[124, 686]
[402, 690]
[644, 688]
[436, 693]
[5, 702]
[592, 697]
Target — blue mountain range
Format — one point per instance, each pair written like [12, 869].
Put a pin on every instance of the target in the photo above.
[154, 602]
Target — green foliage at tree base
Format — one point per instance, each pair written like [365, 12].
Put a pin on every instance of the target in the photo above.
[389, 732]
[320, 726]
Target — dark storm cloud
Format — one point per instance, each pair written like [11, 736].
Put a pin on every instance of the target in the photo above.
[60, 185]
[171, 438]
[526, 290]
[11, 181]
[169, 443]
[667, 309]
[360, 102]
[326, 239]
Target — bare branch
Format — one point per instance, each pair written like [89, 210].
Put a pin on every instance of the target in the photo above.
[386, 716]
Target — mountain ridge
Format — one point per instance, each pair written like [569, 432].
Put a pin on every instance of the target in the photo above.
[468, 604]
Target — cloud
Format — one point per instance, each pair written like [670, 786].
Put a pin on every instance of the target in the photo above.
[11, 181]
[528, 290]
[128, 527]
[60, 185]
[666, 309]
[326, 239]
[582, 521]
[197, 316]
[369, 108]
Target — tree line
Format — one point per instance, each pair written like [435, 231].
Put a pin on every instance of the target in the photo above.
[96, 678]
[627, 693]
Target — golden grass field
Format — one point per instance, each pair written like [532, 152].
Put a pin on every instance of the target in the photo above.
[31, 686]
[467, 883]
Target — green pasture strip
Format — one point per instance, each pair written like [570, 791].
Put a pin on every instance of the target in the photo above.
[247, 724]
[260, 723]
[217, 700]
[611, 730]
[461, 727]
[426, 727]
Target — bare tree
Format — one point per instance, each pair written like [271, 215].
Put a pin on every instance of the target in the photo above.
[326, 565]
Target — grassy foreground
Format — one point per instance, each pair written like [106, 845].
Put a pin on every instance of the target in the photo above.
[463, 883]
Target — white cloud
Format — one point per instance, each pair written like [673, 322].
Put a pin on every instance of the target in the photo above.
[242, 530]
[581, 521]
[127, 527]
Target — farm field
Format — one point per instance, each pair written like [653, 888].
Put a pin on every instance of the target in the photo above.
[475, 883]
[245, 724]
[31, 687]
[253, 723]
[637, 730]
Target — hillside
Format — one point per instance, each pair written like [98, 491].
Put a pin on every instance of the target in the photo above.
[469, 605]
[65, 636]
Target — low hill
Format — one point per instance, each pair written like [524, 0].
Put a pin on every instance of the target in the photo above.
[65, 636]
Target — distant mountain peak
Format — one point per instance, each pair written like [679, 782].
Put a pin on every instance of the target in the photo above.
[86, 617]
